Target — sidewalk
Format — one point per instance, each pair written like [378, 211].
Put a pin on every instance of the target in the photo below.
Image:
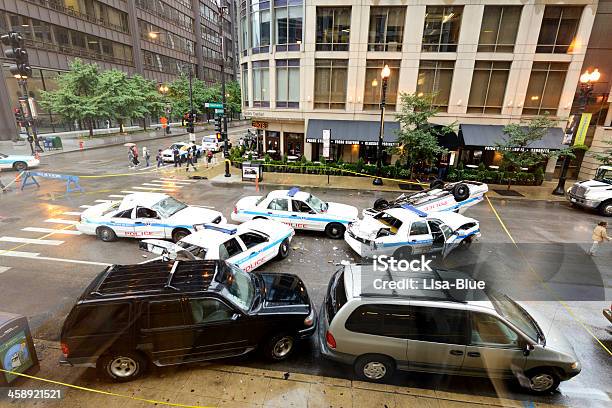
[71, 142]
[219, 385]
[539, 193]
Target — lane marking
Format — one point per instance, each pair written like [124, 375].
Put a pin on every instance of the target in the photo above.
[130, 192]
[4, 268]
[71, 213]
[85, 206]
[167, 185]
[62, 221]
[117, 196]
[19, 254]
[154, 188]
[173, 179]
[567, 308]
[51, 231]
[103, 201]
[47, 258]
[170, 182]
[36, 241]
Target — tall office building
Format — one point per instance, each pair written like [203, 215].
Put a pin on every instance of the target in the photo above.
[156, 38]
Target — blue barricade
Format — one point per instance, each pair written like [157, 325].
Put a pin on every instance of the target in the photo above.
[72, 182]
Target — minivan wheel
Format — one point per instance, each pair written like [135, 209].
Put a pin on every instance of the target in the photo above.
[374, 368]
[122, 366]
[542, 381]
[283, 249]
[279, 347]
[335, 230]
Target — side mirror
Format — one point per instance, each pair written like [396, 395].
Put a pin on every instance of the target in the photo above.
[235, 316]
[527, 349]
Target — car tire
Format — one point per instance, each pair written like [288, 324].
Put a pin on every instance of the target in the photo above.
[283, 249]
[374, 368]
[437, 183]
[122, 366]
[404, 252]
[605, 208]
[380, 204]
[335, 230]
[279, 347]
[179, 234]
[461, 192]
[106, 234]
[20, 166]
[542, 380]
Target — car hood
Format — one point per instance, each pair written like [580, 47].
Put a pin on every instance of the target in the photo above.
[247, 202]
[455, 220]
[284, 292]
[367, 228]
[195, 215]
[342, 211]
[270, 227]
[594, 184]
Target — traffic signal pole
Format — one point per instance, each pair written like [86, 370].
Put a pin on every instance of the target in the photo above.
[221, 11]
[30, 121]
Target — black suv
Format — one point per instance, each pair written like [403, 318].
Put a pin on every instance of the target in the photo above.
[180, 312]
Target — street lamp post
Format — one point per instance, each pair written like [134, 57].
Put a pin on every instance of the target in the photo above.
[584, 93]
[385, 73]
[164, 91]
[221, 11]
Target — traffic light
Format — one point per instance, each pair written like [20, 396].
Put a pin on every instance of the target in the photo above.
[218, 128]
[21, 69]
[19, 116]
[219, 136]
[190, 121]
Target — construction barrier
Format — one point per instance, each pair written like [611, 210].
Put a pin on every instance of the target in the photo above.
[72, 182]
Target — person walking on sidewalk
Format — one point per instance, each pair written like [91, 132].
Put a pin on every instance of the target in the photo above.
[599, 235]
[147, 156]
[130, 158]
[209, 156]
[159, 158]
[135, 154]
[190, 156]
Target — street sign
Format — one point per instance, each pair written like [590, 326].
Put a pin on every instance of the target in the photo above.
[326, 142]
[213, 105]
[219, 111]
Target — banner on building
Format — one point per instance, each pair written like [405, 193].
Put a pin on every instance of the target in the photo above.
[583, 126]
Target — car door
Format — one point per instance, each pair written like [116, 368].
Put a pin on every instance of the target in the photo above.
[122, 223]
[148, 224]
[419, 237]
[278, 209]
[5, 162]
[437, 234]
[437, 337]
[257, 251]
[494, 348]
[231, 250]
[218, 329]
[304, 217]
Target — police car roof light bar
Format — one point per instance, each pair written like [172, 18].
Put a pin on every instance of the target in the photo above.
[293, 191]
[229, 229]
[414, 210]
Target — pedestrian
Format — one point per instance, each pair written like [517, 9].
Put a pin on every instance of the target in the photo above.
[209, 156]
[146, 155]
[135, 154]
[196, 153]
[599, 235]
[130, 158]
[159, 158]
[190, 156]
[176, 156]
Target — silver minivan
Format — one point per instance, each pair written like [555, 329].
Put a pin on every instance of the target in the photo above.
[466, 332]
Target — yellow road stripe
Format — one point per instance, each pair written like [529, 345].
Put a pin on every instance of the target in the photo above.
[567, 308]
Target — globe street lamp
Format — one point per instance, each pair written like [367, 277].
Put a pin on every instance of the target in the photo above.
[584, 93]
[385, 73]
[163, 89]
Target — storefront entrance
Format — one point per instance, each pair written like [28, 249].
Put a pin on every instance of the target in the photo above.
[294, 145]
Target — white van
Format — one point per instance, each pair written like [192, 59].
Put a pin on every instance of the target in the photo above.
[211, 143]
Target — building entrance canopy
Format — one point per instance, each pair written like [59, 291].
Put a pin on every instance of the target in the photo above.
[486, 136]
[352, 132]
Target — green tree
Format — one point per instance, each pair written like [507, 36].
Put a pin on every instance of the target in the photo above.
[77, 96]
[124, 99]
[178, 94]
[605, 157]
[153, 102]
[234, 98]
[417, 138]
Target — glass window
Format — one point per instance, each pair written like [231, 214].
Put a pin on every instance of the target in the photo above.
[279, 204]
[42, 31]
[245, 84]
[330, 83]
[289, 16]
[261, 84]
[544, 89]
[101, 319]
[333, 28]
[300, 206]
[559, 28]
[489, 330]
[386, 28]
[438, 325]
[260, 25]
[373, 89]
[380, 320]
[441, 30]
[167, 313]
[499, 28]
[209, 310]
[229, 248]
[488, 86]
[251, 239]
[436, 77]
[419, 228]
[288, 83]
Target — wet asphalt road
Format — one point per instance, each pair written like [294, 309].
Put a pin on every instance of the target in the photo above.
[44, 286]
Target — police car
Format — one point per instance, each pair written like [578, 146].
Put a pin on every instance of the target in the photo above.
[168, 154]
[456, 197]
[248, 245]
[299, 209]
[404, 231]
[145, 215]
[17, 162]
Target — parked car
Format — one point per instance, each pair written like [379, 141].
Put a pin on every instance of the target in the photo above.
[439, 197]
[145, 215]
[595, 194]
[211, 143]
[168, 155]
[476, 333]
[167, 313]
[405, 231]
[248, 245]
[299, 209]
[18, 162]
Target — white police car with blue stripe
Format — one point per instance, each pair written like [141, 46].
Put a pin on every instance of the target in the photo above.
[145, 215]
[18, 162]
[406, 231]
[248, 245]
[299, 209]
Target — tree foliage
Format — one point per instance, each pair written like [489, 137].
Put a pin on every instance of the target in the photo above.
[417, 137]
[605, 157]
[124, 100]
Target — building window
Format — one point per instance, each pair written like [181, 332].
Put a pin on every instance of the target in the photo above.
[244, 76]
[261, 84]
[545, 86]
[333, 28]
[288, 83]
[435, 78]
[559, 27]
[499, 28]
[488, 86]
[288, 17]
[260, 26]
[441, 31]
[372, 94]
[386, 28]
[294, 144]
[330, 83]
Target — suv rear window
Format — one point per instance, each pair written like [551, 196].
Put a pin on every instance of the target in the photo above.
[336, 295]
[380, 320]
[99, 319]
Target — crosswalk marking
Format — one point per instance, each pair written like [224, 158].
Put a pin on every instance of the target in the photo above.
[31, 241]
[103, 201]
[71, 213]
[116, 196]
[52, 231]
[4, 268]
[184, 180]
[19, 254]
[61, 221]
[168, 185]
[130, 191]
[35, 255]
[153, 188]
[168, 181]
[85, 206]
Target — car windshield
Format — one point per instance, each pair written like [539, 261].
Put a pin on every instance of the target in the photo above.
[113, 207]
[516, 315]
[209, 140]
[238, 287]
[604, 175]
[317, 204]
[168, 207]
[260, 199]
